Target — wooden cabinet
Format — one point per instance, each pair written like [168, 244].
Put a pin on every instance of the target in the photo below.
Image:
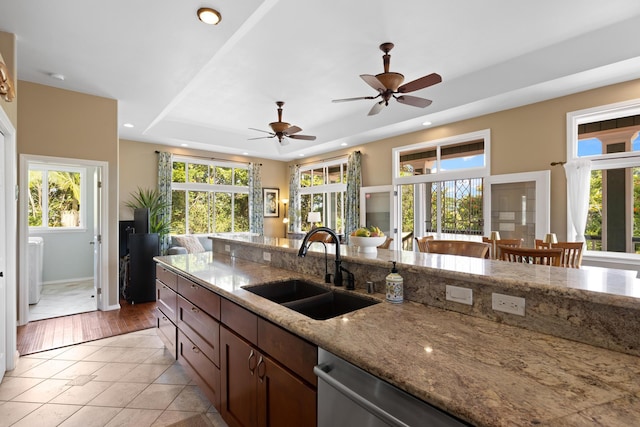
[254, 372]
[256, 390]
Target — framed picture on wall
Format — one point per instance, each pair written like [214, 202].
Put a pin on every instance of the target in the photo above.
[271, 200]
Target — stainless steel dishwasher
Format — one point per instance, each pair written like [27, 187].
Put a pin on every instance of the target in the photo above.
[349, 396]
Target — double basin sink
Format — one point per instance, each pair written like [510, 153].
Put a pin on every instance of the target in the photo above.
[314, 301]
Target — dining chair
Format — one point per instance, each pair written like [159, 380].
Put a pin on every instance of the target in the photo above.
[386, 243]
[531, 255]
[422, 243]
[541, 244]
[321, 236]
[458, 247]
[571, 253]
[495, 244]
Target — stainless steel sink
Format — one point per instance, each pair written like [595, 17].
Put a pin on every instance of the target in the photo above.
[314, 301]
[288, 290]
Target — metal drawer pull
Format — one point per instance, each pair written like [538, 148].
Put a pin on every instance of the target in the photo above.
[195, 310]
[261, 363]
[195, 349]
[194, 287]
[252, 355]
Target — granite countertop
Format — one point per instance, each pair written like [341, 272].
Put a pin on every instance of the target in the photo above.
[484, 372]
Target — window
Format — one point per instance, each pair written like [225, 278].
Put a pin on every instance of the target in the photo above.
[322, 189]
[609, 137]
[209, 196]
[440, 185]
[55, 197]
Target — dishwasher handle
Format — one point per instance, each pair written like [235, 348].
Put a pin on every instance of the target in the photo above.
[323, 372]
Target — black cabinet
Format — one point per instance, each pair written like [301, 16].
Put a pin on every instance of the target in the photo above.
[141, 286]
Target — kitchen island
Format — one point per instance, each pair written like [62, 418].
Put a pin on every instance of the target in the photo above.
[479, 369]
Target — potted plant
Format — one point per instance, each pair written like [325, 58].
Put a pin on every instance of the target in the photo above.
[151, 199]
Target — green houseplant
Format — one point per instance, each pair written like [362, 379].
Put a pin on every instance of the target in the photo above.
[147, 198]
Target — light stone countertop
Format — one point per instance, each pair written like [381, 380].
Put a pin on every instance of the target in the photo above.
[484, 372]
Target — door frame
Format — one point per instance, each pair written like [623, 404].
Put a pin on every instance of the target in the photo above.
[543, 198]
[101, 271]
[11, 205]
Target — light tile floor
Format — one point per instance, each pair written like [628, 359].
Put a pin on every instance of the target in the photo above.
[63, 299]
[127, 380]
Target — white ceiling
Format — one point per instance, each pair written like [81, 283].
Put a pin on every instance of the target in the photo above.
[180, 81]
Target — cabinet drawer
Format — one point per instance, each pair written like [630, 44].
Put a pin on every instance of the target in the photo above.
[167, 277]
[200, 296]
[290, 350]
[167, 300]
[200, 369]
[202, 329]
[239, 320]
[167, 332]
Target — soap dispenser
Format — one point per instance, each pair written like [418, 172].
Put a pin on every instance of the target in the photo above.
[395, 286]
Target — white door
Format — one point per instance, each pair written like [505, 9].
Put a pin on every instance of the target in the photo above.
[518, 206]
[97, 237]
[3, 266]
[377, 208]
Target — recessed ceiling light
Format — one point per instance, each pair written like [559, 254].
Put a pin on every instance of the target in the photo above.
[128, 125]
[184, 145]
[301, 155]
[426, 124]
[56, 76]
[209, 16]
[245, 154]
[344, 144]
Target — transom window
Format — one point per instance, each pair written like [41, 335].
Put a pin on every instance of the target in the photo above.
[55, 197]
[209, 196]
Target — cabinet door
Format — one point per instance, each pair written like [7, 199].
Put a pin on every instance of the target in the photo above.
[283, 399]
[238, 383]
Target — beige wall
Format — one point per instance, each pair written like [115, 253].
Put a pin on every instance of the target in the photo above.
[523, 139]
[8, 55]
[139, 168]
[60, 123]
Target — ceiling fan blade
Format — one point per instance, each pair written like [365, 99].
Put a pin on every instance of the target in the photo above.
[291, 130]
[260, 137]
[260, 130]
[420, 83]
[305, 137]
[414, 101]
[377, 107]
[373, 82]
[355, 99]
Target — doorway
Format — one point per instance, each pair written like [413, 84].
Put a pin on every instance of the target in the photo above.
[61, 219]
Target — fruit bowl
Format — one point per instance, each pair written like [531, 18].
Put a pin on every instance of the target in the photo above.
[367, 244]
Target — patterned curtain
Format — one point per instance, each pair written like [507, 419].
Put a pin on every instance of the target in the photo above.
[256, 215]
[165, 168]
[294, 200]
[352, 202]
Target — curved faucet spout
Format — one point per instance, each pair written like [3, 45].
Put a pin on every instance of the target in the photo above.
[337, 277]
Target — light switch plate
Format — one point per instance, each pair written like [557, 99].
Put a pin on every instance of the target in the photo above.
[227, 248]
[458, 294]
[266, 256]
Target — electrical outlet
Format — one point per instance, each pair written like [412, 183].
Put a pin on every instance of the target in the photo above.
[458, 294]
[227, 248]
[507, 304]
[266, 256]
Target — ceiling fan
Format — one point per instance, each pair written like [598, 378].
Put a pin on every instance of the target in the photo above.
[283, 130]
[388, 86]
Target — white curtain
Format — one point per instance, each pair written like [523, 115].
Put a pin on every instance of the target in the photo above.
[578, 174]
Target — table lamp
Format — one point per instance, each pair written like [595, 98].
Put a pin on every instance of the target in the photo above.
[313, 218]
[495, 235]
[551, 238]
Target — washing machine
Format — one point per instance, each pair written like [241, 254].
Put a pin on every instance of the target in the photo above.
[34, 259]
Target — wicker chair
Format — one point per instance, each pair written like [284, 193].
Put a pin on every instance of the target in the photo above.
[458, 247]
[531, 256]
[422, 243]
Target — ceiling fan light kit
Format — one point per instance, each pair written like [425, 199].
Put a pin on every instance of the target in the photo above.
[209, 16]
[283, 130]
[389, 85]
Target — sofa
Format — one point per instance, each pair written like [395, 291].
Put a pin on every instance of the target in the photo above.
[186, 243]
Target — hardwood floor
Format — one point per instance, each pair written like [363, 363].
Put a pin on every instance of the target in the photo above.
[63, 331]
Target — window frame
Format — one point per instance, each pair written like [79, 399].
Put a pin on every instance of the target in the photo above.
[620, 160]
[58, 167]
[187, 186]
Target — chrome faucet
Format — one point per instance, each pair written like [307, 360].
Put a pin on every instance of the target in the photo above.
[337, 277]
